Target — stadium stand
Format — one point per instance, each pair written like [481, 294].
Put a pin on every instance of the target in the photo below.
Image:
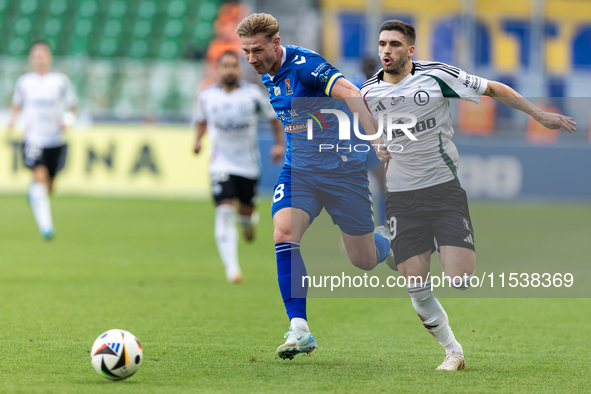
[139, 29]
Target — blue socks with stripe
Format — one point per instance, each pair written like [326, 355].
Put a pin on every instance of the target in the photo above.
[290, 270]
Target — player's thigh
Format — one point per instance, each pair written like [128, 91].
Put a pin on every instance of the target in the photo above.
[416, 268]
[41, 174]
[246, 190]
[410, 233]
[290, 224]
[457, 261]
[296, 191]
[347, 199]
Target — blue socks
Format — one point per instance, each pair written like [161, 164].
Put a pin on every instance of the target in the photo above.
[382, 248]
[290, 269]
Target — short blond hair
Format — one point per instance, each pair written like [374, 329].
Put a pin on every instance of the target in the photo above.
[258, 23]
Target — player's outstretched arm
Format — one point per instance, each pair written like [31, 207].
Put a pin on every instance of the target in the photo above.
[201, 128]
[506, 95]
[348, 92]
[277, 150]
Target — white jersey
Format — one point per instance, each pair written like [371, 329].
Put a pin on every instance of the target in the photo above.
[44, 99]
[231, 123]
[431, 159]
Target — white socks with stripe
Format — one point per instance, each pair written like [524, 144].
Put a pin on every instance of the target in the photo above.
[433, 316]
[226, 238]
[39, 200]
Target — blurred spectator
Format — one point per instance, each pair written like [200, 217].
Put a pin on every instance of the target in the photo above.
[226, 40]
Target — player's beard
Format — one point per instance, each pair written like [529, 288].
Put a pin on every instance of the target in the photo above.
[397, 66]
[230, 80]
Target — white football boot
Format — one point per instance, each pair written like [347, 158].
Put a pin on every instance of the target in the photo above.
[384, 232]
[453, 362]
[298, 341]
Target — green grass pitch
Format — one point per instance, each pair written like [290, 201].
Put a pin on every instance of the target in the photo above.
[152, 268]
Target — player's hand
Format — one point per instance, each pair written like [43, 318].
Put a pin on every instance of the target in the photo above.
[381, 150]
[277, 153]
[554, 121]
[197, 147]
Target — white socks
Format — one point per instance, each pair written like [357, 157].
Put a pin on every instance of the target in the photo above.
[433, 316]
[39, 200]
[298, 322]
[226, 238]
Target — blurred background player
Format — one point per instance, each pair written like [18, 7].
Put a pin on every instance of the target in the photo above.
[230, 110]
[311, 181]
[48, 102]
[426, 206]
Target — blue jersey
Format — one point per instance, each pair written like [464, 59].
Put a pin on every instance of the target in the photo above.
[309, 78]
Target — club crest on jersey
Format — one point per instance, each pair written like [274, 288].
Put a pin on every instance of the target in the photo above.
[288, 90]
[276, 90]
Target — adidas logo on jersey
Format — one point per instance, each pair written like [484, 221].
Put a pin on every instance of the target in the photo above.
[469, 239]
[379, 107]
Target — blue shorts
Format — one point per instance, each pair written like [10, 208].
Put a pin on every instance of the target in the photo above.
[344, 195]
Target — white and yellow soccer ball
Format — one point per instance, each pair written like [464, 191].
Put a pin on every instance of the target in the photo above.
[116, 354]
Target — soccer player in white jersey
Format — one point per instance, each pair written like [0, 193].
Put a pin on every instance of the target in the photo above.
[48, 102]
[426, 207]
[229, 110]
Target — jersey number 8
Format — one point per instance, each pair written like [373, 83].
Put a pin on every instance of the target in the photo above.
[278, 192]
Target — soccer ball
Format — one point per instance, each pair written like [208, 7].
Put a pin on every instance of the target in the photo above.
[116, 354]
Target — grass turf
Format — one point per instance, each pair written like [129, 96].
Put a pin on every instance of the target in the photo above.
[152, 268]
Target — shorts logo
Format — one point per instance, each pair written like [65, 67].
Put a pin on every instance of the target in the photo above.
[288, 87]
[421, 98]
[392, 223]
[277, 90]
[469, 239]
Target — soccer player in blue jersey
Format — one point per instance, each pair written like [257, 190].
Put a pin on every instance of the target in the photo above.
[312, 180]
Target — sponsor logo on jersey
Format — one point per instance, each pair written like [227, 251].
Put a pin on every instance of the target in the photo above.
[276, 90]
[323, 78]
[291, 128]
[288, 87]
[318, 69]
[398, 100]
[421, 98]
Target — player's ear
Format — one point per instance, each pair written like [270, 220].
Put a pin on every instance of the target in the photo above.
[411, 50]
[277, 41]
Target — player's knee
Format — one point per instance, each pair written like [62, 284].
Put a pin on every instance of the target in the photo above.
[363, 262]
[460, 282]
[282, 233]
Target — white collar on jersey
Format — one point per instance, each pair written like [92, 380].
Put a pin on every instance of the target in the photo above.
[283, 58]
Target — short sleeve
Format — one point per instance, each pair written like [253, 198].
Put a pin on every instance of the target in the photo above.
[18, 95]
[470, 87]
[315, 72]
